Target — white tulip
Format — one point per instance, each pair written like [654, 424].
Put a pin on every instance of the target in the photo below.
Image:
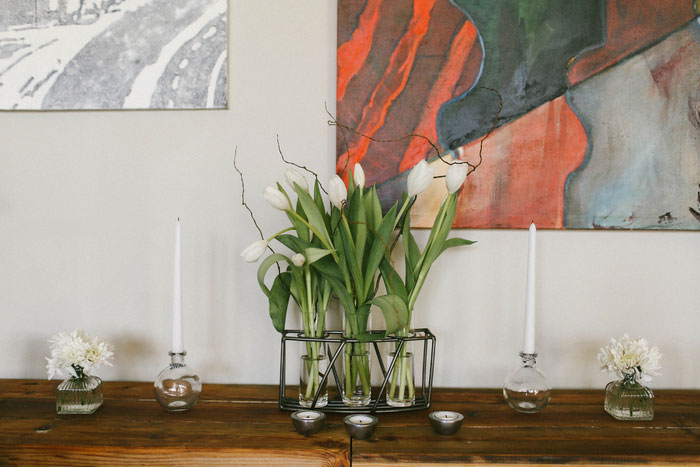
[298, 260]
[455, 177]
[337, 192]
[254, 251]
[294, 176]
[358, 175]
[419, 178]
[276, 198]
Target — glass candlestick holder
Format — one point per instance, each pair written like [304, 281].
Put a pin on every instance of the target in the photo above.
[526, 388]
[177, 387]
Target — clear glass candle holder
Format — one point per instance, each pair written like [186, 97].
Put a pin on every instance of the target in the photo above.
[526, 389]
[177, 388]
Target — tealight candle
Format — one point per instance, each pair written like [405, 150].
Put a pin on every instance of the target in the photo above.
[308, 422]
[360, 426]
[445, 422]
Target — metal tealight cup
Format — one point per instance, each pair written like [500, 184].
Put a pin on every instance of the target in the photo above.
[308, 422]
[445, 422]
[360, 426]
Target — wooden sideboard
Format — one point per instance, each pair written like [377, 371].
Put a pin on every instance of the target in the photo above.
[242, 425]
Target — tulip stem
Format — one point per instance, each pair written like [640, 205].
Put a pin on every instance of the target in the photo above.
[272, 237]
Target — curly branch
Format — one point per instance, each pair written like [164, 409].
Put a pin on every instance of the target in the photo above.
[302, 167]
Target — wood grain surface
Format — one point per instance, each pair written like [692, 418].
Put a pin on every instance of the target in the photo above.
[242, 425]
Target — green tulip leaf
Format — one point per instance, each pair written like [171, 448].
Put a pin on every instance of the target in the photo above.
[392, 280]
[394, 311]
[379, 248]
[313, 214]
[314, 254]
[278, 295]
[455, 242]
[279, 301]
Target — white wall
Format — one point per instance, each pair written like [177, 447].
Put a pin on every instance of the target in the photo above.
[88, 202]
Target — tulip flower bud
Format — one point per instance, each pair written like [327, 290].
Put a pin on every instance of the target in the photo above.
[298, 260]
[337, 192]
[419, 178]
[254, 251]
[294, 176]
[358, 175]
[455, 177]
[276, 198]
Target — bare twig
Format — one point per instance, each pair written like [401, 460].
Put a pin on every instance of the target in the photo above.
[302, 167]
[472, 167]
[240, 174]
[243, 202]
[334, 122]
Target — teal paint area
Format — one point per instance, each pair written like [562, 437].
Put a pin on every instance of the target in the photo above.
[527, 45]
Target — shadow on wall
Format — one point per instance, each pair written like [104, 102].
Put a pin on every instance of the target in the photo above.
[129, 349]
[35, 351]
[585, 352]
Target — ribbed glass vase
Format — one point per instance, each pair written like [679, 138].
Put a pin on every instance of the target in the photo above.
[628, 399]
[79, 395]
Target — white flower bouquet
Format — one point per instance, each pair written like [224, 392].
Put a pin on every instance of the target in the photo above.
[77, 353]
[635, 363]
[631, 359]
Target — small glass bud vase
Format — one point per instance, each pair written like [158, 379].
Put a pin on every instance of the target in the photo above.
[526, 388]
[79, 395]
[177, 388]
[312, 370]
[401, 391]
[628, 399]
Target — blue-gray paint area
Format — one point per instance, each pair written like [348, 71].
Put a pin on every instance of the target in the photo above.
[642, 168]
[113, 54]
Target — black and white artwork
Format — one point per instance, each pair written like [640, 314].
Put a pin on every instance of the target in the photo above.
[113, 54]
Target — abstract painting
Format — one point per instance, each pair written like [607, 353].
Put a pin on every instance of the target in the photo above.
[113, 54]
[576, 114]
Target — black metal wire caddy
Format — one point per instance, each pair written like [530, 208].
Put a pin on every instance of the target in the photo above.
[378, 404]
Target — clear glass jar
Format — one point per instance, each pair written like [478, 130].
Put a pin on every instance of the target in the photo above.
[628, 399]
[355, 363]
[177, 387]
[81, 395]
[356, 388]
[311, 373]
[526, 389]
[401, 390]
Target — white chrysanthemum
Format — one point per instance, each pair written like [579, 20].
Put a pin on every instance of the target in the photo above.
[634, 358]
[76, 352]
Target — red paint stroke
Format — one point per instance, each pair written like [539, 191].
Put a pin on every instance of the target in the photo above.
[443, 90]
[631, 25]
[352, 54]
[390, 86]
[671, 70]
[524, 171]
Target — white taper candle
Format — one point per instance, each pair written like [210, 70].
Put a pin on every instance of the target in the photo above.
[177, 292]
[529, 333]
